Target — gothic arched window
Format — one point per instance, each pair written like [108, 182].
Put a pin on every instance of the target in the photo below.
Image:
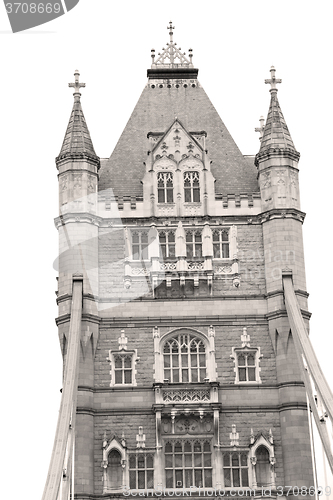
[188, 463]
[262, 467]
[191, 187]
[221, 244]
[115, 471]
[165, 187]
[167, 243]
[246, 361]
[184, 359]
[193, 244]
[139, 245]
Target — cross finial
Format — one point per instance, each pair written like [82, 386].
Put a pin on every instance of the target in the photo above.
[76, 85]
[261, 128]
[170, 28]
[273, 81]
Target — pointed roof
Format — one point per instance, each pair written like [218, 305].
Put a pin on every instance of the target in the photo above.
[276, 135]
[77, 141]
[166, 95]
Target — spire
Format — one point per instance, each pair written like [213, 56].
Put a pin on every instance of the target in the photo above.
[275, 136]
[77, 141]
[171, 61]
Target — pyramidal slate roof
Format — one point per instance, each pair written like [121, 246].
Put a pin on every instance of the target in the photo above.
[77, 141]
[77, 138]
[155, 112]
[276, 132]
[276, 136]
[174, 91]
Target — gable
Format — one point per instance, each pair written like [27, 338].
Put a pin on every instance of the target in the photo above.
[156, 109]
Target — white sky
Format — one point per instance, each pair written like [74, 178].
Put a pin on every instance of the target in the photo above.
[234, 44]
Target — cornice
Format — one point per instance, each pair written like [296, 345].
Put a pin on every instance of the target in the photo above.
[282, 313]
[65, 318]
[281, 213]
[272, 152]
[221, 387]
[295, 405]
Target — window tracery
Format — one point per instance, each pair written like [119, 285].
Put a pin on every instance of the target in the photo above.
[139, 245]
[165, 187]
[193, 243]
[191, 187]
[221, 246]
[188, 463]
[184, 359]
[167, 242]
[246, 359]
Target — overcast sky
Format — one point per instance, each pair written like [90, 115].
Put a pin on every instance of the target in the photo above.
[234, 45]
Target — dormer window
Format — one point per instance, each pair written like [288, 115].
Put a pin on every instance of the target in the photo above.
[167, 244]
[165, 187]
[191, 187]
[221, 244]
[193, 244]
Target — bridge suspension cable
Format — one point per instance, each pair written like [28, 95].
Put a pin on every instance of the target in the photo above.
[316, 386]
[59, 483]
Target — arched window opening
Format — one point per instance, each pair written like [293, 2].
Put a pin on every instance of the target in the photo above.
[221, 244]
[115, 471]
[191, 187]
[188, 463]
[246, 366]
[165, 187]
[193, 244]
[262, 467]
[184, 359]
[139, 245]
[167, 244]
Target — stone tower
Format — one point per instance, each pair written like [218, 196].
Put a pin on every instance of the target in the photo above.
[188, 380]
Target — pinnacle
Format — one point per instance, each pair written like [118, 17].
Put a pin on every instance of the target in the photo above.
[275, 136]
[276, 133]
[77, 139]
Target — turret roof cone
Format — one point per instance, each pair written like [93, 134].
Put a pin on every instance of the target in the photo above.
[276, 135]
[77, 141]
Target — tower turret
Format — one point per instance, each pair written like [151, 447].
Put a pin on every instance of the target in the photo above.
[281, 218]
[77, 224]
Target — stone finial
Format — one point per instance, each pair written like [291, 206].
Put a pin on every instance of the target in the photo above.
[140, 438]
[171, 56]
[261, 128]
[122, 341]
[171, 28]
[105, 442]
[245, 338]
[76, 85]
[211, 331]
[156, 332]
[123, 440]
[273, 81]
[234, 436]
[251, 437]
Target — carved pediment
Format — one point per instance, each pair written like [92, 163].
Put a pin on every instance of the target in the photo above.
[177, 143]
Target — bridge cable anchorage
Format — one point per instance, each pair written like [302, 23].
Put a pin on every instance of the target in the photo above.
[60, 474]
[317, 389]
